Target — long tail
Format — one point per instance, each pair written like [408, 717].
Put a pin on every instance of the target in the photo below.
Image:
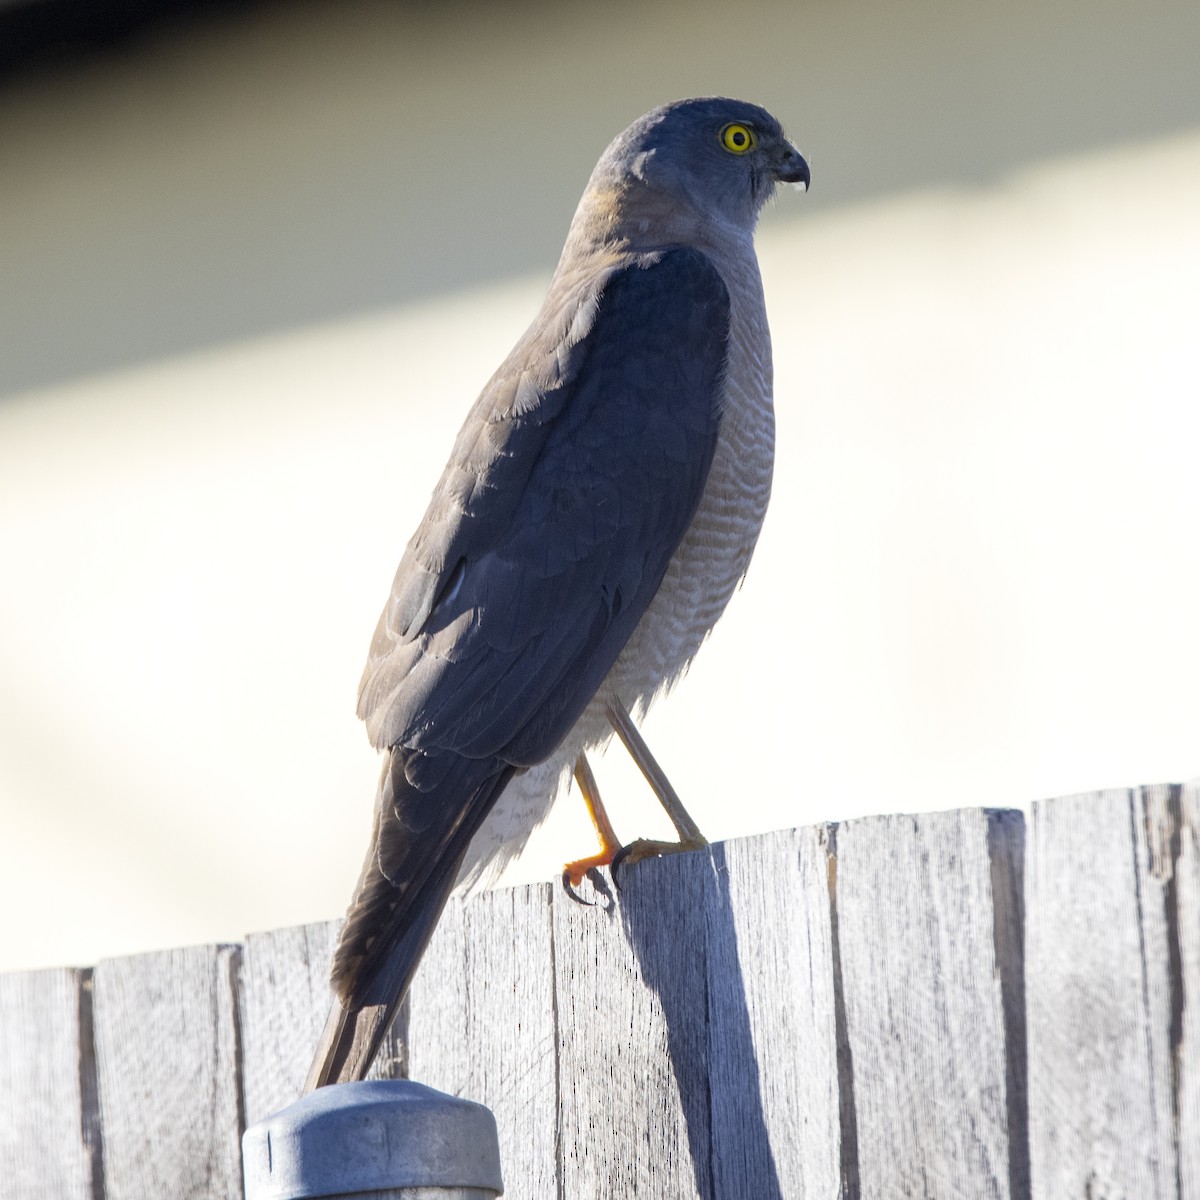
[417, 846]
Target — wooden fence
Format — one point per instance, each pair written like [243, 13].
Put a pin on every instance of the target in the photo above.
[957, 1005]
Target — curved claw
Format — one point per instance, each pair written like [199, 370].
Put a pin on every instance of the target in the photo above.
[644, 848]
[615, 868]
[569, 885]
[604, 896]
[575, 872]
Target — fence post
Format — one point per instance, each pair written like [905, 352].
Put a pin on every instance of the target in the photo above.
[383, 1139]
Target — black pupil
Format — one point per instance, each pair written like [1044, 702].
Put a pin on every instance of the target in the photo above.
[739, 138]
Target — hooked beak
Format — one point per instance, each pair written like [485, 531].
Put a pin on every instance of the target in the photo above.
[790, 167]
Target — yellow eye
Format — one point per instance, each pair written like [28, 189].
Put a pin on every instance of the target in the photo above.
[738, 139]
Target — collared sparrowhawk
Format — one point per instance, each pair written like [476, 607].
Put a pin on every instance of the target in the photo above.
[599, 508]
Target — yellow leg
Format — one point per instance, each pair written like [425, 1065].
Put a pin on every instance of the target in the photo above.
[610, 846]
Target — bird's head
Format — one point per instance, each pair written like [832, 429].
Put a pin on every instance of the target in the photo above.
[721, 159]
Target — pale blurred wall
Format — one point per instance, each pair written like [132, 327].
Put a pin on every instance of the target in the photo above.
[315, 161]
[252, 273]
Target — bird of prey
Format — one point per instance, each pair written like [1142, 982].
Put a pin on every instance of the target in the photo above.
[599, 508]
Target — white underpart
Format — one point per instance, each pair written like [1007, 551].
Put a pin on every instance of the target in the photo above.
[702, 576]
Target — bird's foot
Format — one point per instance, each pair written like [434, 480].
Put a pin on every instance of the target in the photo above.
[574, 873]
[644, 848]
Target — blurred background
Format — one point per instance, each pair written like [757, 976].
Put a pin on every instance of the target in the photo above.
[257, 259]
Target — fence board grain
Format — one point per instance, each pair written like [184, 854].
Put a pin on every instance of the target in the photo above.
[924, 1007]
[438, 1053]
[633, 1086]
[1186, 1010]
[49, 1121]
[1103, 993]
[284, 1000]
[891, 1007]
[482, 1025]
[770, 982]
[167, 1063]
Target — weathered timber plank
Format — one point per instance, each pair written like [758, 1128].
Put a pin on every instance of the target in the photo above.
[481, 1025]
[284, 1000]
[1105, 994]
[439, 1054]
[50, 1142]
[167, 1063]
[631, 999]
[1186, 996]
[921, 985]
[772, 1038]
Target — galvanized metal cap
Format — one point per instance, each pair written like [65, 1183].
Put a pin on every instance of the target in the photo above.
[381, 1136]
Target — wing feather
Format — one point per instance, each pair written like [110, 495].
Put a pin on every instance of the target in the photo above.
[571, 484]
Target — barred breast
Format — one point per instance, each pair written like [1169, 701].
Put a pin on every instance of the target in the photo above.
[713, 556]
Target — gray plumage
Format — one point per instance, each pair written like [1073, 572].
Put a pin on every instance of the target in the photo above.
[599, 507]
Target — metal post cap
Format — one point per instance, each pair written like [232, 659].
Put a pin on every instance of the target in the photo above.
[374, 1137]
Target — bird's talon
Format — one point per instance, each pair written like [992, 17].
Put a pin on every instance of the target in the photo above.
[574, 873]
[615, 869]
[644, 848]
[636, 852]
[569, 886]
